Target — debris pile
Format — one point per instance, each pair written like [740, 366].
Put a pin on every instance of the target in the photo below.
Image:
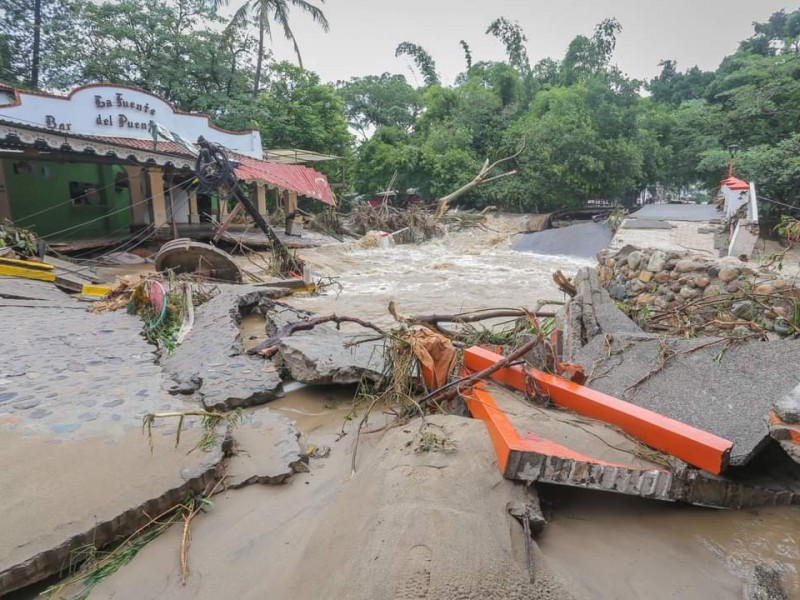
[16, 242]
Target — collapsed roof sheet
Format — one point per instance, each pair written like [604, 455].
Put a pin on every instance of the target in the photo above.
[297, 178]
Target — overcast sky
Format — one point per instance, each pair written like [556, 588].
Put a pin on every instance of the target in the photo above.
[365, 33]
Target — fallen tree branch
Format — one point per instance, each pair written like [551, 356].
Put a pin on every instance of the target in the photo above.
[269, 347]
[479, 179]
[472, 317]
[564, 284]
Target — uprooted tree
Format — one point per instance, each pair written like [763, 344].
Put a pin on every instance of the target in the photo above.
[443, 204]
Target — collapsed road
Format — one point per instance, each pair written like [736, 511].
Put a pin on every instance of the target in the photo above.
[412, 511]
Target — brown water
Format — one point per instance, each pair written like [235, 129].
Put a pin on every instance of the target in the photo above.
[605, 545]
[464, 271]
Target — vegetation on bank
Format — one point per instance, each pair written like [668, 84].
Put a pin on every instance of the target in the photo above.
[589, 130]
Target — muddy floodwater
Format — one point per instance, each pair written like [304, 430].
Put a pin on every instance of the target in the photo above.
[606, 546]
[463, 271]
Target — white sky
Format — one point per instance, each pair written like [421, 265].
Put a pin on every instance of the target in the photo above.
[365, 33]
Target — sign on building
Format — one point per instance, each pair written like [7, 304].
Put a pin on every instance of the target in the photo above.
[123, 112]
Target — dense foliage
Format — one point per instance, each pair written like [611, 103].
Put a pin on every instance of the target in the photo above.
[582, 129]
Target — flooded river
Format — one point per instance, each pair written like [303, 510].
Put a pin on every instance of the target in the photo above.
[607, 546]
[464, 271]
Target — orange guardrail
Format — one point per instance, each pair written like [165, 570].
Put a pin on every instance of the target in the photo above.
[694, 446]
[506, 439]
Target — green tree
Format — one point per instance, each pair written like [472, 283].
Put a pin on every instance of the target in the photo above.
[263, 13]
[169, 48]
[294, 110]
[760, 96]
[422, 59]
[32, 33]
[590, 56]
[467, 54]
[388, 153]
[673, 87]
[779, 35]
[514, 39]
[374, 101]
[579, 144]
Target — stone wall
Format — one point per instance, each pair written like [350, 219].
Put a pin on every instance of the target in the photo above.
[661, 281]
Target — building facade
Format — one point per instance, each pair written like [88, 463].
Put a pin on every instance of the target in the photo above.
[108, 160]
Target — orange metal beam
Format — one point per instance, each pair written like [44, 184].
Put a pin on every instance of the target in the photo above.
[694, 446]
[506, 439]
[791, 432]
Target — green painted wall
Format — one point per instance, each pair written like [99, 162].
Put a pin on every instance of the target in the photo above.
[44, 185]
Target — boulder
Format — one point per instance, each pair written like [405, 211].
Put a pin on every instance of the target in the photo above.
[657, 261]
[728, 274]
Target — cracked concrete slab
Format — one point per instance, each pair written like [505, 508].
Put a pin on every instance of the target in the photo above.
[211, 360]
[76, 468]
[59, 497]
[729, 394]
[321, 356]
[266, 450]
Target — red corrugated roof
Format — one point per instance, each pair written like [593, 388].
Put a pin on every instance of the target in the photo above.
[297, 178]
[734, 183]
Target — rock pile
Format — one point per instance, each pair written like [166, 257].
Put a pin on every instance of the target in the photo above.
[713, 294]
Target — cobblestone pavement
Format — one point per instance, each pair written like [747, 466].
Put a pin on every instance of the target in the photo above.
[71, 373]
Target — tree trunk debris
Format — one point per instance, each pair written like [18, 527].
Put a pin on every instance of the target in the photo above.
[444, 202]
[269, 347]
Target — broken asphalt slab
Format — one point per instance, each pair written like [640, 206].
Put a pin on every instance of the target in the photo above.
[583, 240]
[326, 355]
[59, 498]
[266, 450]
[549, 445]
[727, 390]
[211, 360]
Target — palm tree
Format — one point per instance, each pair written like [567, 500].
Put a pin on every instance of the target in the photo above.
[263, 13]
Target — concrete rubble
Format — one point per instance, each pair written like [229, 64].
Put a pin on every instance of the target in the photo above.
[324, 355]
[695, 388]
[403, 541]
[266, 450]
[704, 383]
